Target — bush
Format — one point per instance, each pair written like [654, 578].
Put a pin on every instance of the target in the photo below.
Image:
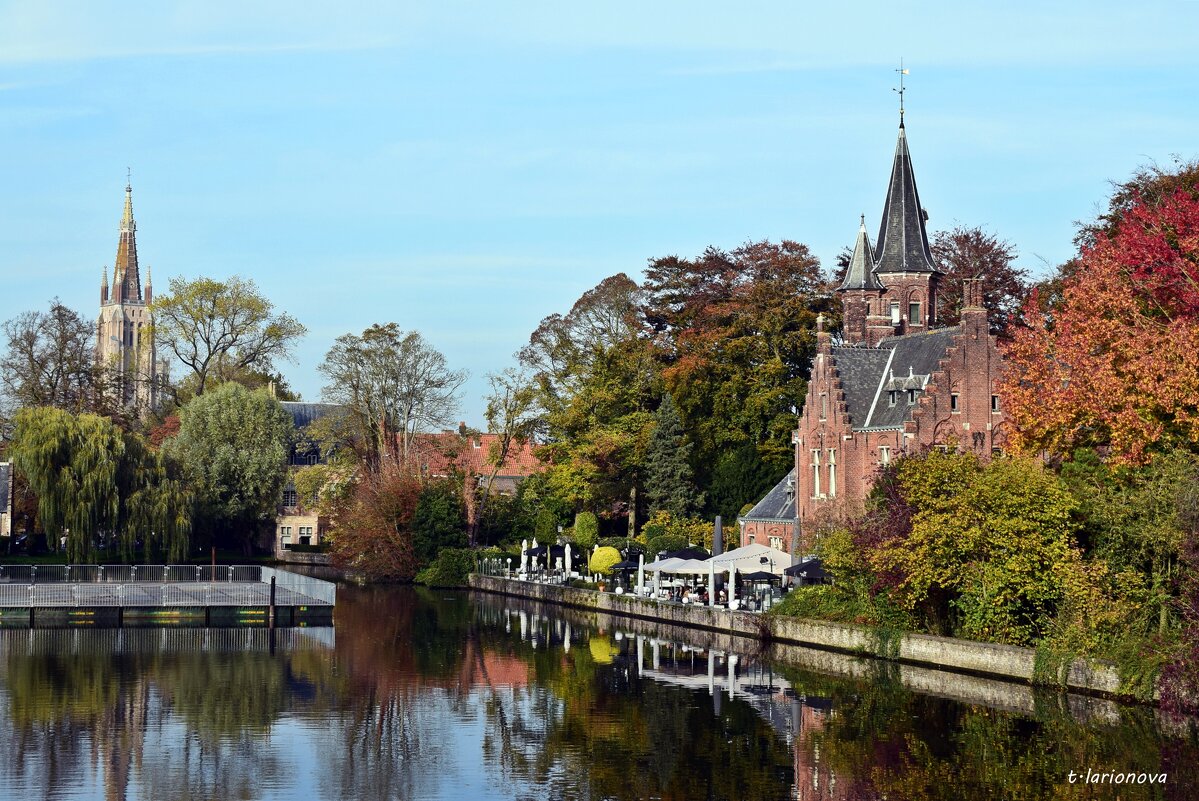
[602, 561]
[449, 569]
[586, 530]
[546, 527]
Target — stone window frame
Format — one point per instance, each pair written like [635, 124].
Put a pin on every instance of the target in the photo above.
[955, 406]
[832, 472]
[995, 408]
[884, 455]
[815, 465]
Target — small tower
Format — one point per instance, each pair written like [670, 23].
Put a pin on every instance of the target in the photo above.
[862, 293]
[124, 344]
[903, 260]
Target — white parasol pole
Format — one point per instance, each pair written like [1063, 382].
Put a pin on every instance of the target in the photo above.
[732, 585]
[711, 583]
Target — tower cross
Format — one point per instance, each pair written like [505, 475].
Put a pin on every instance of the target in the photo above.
[902, 72]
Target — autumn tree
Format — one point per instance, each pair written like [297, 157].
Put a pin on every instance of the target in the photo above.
[597, 383]
[222, 329]
[735, 337]
[965, 253]
[514, 416]
[1116, 362]
[233, 445]
[392, 385]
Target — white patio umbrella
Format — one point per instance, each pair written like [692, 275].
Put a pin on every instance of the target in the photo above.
[568, 561]
[711, 583]
[524, 559]
[640, 574]
[732, 586]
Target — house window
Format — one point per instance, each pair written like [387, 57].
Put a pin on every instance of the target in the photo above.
[953, 403]
[815, 473]
[994, 403]
[914, 312]
[895, 312]
[911, 396]
[884, 455]
[285, 536]
[832, 472]
[290, 498]
[776, 543]
[750, 539]
[823, 405]
[891, 397]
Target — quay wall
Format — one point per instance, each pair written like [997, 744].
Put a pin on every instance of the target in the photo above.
[1006, 662]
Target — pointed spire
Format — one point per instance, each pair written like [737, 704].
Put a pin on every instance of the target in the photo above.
[860, 274]
[127, 284]
[902, 238]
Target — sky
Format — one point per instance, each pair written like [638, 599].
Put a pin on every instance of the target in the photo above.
[466, 169]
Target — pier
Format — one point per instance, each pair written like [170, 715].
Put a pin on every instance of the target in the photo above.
[53, 596]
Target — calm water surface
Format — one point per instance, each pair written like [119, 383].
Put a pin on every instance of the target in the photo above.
[438, 695]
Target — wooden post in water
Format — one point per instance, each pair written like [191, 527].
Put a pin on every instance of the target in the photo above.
[214, 557]
[271, 616]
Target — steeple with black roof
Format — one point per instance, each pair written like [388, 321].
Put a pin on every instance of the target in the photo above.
[860, 274]
[902, 237]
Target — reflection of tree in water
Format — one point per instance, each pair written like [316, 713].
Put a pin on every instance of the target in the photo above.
[881, 741]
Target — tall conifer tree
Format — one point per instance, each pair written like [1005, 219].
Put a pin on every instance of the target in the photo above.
[669, 480]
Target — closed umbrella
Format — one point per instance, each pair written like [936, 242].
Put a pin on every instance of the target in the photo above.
[524, 557]
[640, 574]
[732, 586]
[567, 560]
[711, 584]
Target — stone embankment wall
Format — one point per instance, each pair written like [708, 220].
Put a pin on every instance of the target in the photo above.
[1006, 662]
[302, 557]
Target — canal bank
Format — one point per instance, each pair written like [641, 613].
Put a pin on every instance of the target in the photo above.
[1005, 662]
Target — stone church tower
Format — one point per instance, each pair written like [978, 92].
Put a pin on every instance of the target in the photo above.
[124, 340]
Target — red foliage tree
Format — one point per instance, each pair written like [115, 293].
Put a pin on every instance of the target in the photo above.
[1116, 362]
[374, 535]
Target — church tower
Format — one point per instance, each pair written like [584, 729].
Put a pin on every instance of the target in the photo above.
[124, 339]
[892, 290]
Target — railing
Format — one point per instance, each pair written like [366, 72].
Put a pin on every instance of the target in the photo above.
[127, 574]
[157, 585]
[319, 589]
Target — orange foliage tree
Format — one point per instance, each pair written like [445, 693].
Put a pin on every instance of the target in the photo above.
[374, 535]
[1116, 363]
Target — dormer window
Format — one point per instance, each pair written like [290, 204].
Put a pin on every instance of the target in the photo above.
[911, 396]
[891, 397]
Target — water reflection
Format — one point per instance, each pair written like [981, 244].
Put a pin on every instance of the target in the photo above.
[442, 695]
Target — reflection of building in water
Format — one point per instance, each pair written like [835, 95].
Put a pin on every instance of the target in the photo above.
[814, 778]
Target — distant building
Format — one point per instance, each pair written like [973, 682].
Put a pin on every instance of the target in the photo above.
[124, 342]
[772, 519]
[899, 382]
[468, 453]
[295, 524]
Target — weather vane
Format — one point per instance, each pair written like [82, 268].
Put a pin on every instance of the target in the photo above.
[129, 176]
[902, 72]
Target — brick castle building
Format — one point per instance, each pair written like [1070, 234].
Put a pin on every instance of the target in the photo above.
[897, 382]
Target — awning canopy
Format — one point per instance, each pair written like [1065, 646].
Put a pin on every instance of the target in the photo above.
[753, 557]
[811, 569]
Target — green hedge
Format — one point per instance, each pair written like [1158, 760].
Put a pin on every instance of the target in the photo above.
[449, 569]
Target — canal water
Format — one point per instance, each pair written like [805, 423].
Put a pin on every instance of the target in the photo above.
[418, 694]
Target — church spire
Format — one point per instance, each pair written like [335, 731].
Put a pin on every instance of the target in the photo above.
[902, 245]
[860, 274]
[127, 283]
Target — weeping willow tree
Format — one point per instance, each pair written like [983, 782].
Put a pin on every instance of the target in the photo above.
[95, 481]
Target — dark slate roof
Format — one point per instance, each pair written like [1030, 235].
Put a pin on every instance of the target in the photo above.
[903, 363]
[860, 274]
[304, 413]
[859, 369]
[779, 503]
[902, 245]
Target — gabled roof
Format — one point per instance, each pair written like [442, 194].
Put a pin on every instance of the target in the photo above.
[859, 368]
[304, 413]
[860, 274]
[868, 375]
[902, 245]
[779, 503]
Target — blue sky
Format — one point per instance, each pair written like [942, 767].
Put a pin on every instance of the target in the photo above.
[465, 169]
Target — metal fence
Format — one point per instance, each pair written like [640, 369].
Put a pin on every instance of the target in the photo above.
[323, 591]
[158, 585]
[127, 574]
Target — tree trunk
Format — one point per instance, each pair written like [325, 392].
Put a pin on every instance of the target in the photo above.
[633, 511]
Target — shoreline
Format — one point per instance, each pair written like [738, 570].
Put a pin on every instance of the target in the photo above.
[964, 658]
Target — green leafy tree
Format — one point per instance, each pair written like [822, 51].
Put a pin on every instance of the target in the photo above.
[222, 329]
[741, 477]
[586, 530]
[96, 483]
[233, 445]
[603, 560]
[438, 521]
[669, 481]
[546, 527]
